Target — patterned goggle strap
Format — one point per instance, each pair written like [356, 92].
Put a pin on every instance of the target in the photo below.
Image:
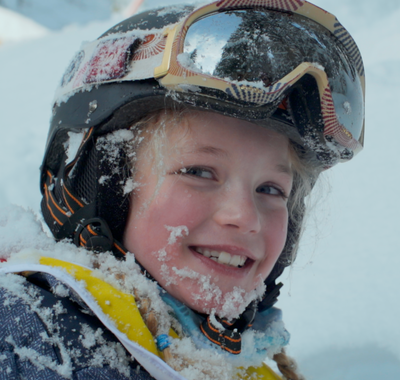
[74, 218]
[230, 337]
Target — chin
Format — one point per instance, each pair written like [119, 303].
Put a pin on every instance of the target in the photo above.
[228, 304]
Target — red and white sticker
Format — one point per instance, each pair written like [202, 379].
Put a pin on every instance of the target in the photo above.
[110, 60]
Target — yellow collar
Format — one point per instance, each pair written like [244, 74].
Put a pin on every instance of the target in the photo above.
[121, 308]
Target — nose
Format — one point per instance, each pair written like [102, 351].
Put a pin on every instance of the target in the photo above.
[237, 208]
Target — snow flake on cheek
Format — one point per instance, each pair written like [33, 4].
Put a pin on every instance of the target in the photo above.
[172, 243]
[209, 298]
[208, 291]
[165, 270]
[167, 276]
[236, 301]
[176, 232]
[166, 254]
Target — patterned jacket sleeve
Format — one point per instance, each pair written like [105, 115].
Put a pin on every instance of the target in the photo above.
[47, 333]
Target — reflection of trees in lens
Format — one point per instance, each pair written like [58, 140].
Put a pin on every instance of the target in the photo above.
[268, 45]
[193, 55]
[249, 53]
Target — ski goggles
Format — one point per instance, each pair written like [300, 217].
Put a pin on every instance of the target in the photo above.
[256, 52]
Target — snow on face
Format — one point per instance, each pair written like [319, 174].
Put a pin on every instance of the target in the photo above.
[224, 187]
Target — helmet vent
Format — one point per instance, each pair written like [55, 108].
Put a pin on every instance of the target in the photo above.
[84, 176]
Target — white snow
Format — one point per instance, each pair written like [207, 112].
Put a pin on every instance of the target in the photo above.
[72, 145]
[340, 299]
[15, 27]
[176, 232]
[58, 14]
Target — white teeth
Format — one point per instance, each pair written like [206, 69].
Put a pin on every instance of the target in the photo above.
[215, 254]
[207, 253]
[236, 261]
[204, 252]
[223, 257]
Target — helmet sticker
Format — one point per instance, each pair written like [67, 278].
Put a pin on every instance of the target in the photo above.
[72, 68]
[110, 59]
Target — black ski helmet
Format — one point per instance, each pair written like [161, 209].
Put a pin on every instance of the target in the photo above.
[286, 65]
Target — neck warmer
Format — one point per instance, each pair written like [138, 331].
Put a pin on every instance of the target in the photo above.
[264, 337]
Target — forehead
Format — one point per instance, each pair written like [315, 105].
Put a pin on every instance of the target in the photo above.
[218, 135]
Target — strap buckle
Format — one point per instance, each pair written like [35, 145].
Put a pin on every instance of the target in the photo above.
[94, 234]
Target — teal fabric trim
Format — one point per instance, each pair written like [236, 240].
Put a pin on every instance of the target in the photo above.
[266, 335]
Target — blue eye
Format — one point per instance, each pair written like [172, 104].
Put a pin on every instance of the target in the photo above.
[197, 172]
[270, 190]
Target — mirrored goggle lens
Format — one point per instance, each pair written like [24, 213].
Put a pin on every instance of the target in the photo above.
[259, 48]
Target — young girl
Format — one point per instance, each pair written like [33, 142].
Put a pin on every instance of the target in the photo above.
[182, 145]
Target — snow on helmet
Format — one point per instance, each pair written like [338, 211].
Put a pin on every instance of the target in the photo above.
[287, 64]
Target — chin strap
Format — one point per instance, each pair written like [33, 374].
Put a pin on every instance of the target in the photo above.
[271, 295]
[228, 335]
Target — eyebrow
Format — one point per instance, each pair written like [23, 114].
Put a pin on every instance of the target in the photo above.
[286, 169]
[211, 150]
[208, 149]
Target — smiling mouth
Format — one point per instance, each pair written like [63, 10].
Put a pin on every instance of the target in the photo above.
[222, 257]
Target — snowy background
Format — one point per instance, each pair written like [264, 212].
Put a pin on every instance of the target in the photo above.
[341, 299]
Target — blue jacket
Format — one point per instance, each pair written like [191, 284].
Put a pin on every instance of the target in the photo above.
[62, 321]
[57, 336]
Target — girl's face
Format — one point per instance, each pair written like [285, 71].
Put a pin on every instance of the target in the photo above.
[211, 228]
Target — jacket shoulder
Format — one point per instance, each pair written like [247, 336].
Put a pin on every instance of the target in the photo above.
[47, 333]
